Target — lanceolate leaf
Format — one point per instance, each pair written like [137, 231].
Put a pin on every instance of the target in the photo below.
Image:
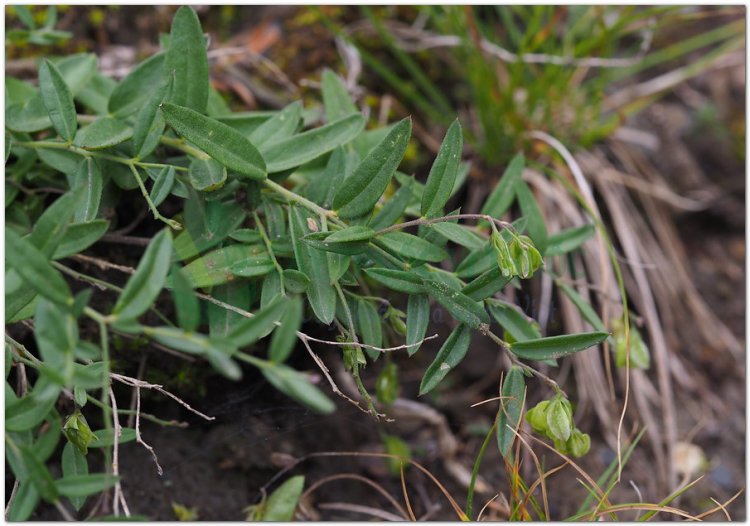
[149, 278]
[394, 208]
[336, 98]
[460, 306]
[298, 386]
[187, 60]
[413, 247]
[511, 405]
[449, 356]
[129, 95]
[58, 100]
[33, 267]
[149, 122]
[220, 266]
[250, 330]
[569, 240]
[504, 193]
[283, 501]
[314, 264]
[80, 236]
[363, 188]
[207, 175]
[103, 133]
[517, 324]
[586, 310]
[39, 475]
[74, 464]
[299, 149]
[369, 325]
[53, 223]
[443, 173]
[557, 346]
[285, 337]
[278, 128]
[225, 144]
[397, 280]
[530, 210]
[417, 320]
[185, 300]
[89, 177]
[84, 485]
[460, 235]
[486, 285]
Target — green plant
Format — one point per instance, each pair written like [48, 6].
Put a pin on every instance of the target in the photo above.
[269, 219]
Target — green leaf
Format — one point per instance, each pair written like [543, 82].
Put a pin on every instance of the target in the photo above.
[56, 335]
[443, 173]
[298, 386]
[319, 241]
[220, 359]
[486, 285]
[368, 322]
[88, 176]
[314, 264]
[149, 122]
[129, 96]
[351, 234]
[35, 270]
[206, 174]
[285, 337]
[144, 286]
[336, 99]
[461, 235]
[569, 240]
[449, 356]
[511, 405]
[207, 223]
[220, 266]
[53, 223]
[74, 464]
[504, 193]
[25, 413]
[58, 100]
[410, 246]
[361, 190]
[514, 322]
[283, 501]
[278, 128]
[77, 70]
[225, 144]
[583, 307]
[394, 207]
[556, 346]
[397, 280]
[95, 95]
[530, 210]
[185, 301]
[39, 475]
[220, 319]
[105, 438]
[296, 281]
[27, 498]
[304, 147]
[187, 60]
[85, 485]
[417, 320]
[250, 330]
[28, 116]
[104, 132]
[460, 306]
[163, 185]
[80, 236]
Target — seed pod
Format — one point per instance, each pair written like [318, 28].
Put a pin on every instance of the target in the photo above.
[579, 443]
[537, 417]
[559, 419]
[504, 258]
[640, 357]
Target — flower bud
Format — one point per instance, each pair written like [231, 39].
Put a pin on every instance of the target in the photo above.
[78, 432]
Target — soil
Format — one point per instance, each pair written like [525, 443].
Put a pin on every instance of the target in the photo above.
[221, 467]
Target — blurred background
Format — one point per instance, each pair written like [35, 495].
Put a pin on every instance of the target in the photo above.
[646, 104]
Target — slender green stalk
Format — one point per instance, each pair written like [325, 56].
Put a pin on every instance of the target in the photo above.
[269, 248]
[157, 215]
[475, 470]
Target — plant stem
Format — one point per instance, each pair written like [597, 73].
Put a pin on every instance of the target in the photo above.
[427, 222]
[267, 242]
[157, 215]
[179, 144]
[296, 198]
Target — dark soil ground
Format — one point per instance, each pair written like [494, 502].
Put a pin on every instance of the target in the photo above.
[221, 467]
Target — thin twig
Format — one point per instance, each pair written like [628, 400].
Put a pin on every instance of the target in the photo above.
[133, 382]
[138, 437]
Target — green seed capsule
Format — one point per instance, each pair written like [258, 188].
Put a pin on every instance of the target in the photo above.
[579, 443]
[559, 419]
[78, 432]
[537, 417]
